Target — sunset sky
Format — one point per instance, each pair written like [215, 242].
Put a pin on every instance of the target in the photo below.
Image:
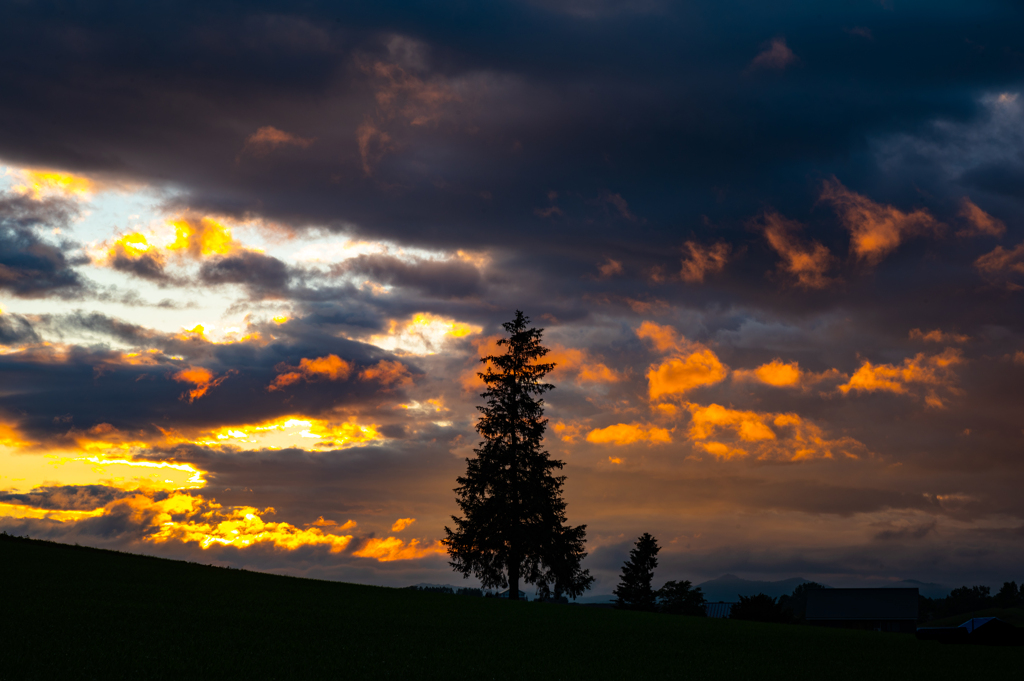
[250, 257]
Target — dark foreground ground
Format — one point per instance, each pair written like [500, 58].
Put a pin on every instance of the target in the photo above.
[77, 613]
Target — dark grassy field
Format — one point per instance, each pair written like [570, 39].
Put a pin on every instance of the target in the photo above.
[77, 613]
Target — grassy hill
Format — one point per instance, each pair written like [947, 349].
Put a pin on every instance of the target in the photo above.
[79, 613]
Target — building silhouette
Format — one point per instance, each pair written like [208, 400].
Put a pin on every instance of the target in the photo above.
[872, 609]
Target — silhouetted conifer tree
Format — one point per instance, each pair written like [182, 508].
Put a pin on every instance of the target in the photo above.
[514, 526]
[634, 591]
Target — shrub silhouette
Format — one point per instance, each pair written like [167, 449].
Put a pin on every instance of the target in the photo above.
[760, 608]
[680, 598]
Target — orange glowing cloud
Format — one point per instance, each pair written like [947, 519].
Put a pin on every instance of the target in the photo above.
[268, 138]
[423, 334]
[629, 433]
[934, 371]
[242, 527]
[750, 426]
[62, 516]
[781, 374]
[202, 378]
[979, 223]
[11, 437]
[1001, 262]
[486, 346]
[110, 449]
[134, 245]
[330, 367]
[579, 362]
[39, 183]
[347, 525]
[195, 481]
[805, 262]
[694, 365]
[186, 518]
[297, 432]
[731, 433]
[703, 260]
[388, 373]
[195, 237]
[392, 548]
[876, 230]
[663, 338]
[775, 373]
[609, 268]
[202, 237]
[679, 375]
[401, 524]
[568, 432]
[938, 336]
[721, 450]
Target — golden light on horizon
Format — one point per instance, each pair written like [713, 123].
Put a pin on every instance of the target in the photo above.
[294, 431]
[39, 183]
[422, 334]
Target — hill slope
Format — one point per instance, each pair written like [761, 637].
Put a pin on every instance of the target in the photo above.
[78, 613]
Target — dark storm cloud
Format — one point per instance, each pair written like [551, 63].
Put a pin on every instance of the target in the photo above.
[67, 497]
[262, 274]
[52, 394]
[442, 279]
[580, 137]
[356, 482]
[144, 266]
[31, 267]
[15, 329]
[104, 325]
[429, 121]
[969, 562]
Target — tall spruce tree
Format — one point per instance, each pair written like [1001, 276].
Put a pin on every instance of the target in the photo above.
[513, 529]
[634, 591]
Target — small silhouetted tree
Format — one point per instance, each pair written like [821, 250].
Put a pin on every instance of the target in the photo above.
[681, 598]
[634, 591]
[513, 526]
[760, 608]
[1009, 596]
[797, 601]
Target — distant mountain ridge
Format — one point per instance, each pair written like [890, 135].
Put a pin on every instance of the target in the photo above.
[729, 587]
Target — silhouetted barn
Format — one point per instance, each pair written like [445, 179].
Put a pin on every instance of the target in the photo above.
[978, 630]
[504, 594]
[874, 609]
[720, 609]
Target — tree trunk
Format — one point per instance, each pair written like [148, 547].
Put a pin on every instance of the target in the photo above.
[513, 576]
[513, 557]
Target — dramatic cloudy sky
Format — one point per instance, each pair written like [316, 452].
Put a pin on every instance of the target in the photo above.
[250, 254]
